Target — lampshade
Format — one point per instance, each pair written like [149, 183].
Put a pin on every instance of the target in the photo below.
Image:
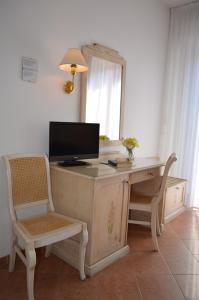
[73, 57]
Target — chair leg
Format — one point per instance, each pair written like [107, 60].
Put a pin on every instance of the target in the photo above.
[30, 269]
[158, 223]
[82, 251]
[48, 250]
[153, 228]
[12, 257]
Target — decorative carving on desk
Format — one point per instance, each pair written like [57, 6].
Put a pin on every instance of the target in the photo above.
[111, 217]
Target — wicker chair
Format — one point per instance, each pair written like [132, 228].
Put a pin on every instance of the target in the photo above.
[28, 185]
[146, 196]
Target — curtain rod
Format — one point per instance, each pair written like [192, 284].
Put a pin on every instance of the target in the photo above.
[194, 1]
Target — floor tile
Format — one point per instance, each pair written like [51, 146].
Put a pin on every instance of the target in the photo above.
[19, 265]
[50, 264]
[183, 265]
[119, 285]
[167, 243]
[197, 257]
[134, 227]
[168, 232]
[187, 232]
[192, 245]
[161, 286]
[173, 248]
[13, 285]
[46, 286]
[149, 263]
[183, 221]
[72, 288]
[189, 285]
[67, 269]
[123, 266]
[140, 242]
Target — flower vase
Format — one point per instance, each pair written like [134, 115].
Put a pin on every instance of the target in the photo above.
[130, 154]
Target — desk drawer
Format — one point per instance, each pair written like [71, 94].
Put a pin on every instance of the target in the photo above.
[143, 175]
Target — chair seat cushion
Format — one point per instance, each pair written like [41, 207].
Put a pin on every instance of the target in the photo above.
[148, 188]
[43, 224]
[141, 203]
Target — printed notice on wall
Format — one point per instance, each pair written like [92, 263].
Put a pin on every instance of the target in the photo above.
[29, 69]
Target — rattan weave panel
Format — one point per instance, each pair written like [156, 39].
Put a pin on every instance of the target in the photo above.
[138, 215]
[44, 223]
[29, 180]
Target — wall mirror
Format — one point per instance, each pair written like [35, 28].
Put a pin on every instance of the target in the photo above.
[102, 91]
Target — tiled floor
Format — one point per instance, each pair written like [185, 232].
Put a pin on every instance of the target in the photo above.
[171, 274]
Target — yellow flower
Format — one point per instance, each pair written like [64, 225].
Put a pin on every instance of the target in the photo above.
[104, 138]
[130, 142]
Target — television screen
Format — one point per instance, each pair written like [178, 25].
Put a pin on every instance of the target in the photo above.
[71, 141]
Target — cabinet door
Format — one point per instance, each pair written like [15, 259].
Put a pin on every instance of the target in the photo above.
[174, 198]
[110, 217]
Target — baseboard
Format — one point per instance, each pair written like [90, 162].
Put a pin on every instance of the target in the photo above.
[105, 262]
[95, 268]
[173, 215]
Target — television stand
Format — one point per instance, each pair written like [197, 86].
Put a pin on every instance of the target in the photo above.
[72, 163]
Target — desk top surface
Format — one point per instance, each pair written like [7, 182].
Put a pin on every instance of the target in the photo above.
[99, 170]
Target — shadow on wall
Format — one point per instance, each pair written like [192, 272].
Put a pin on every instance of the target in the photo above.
[5, 223]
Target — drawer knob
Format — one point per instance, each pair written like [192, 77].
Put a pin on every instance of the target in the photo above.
[150, 174]
[126, 181]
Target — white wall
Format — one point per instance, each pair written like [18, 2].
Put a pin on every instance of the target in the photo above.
[44, 30]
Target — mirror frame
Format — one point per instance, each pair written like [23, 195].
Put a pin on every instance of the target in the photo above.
[111, 55]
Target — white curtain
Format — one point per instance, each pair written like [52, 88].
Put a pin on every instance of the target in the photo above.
[180, 122]
[103, 96]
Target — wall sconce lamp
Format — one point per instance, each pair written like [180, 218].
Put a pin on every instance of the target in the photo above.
[72, 62]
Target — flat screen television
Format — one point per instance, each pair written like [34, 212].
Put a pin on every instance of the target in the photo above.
[71, 141]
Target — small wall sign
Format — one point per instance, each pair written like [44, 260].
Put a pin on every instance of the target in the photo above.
[29, 69]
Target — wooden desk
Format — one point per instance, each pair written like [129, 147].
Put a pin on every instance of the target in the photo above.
[98, 195]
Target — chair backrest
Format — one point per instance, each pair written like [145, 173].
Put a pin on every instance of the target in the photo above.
[172, 158]
[28, 181]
